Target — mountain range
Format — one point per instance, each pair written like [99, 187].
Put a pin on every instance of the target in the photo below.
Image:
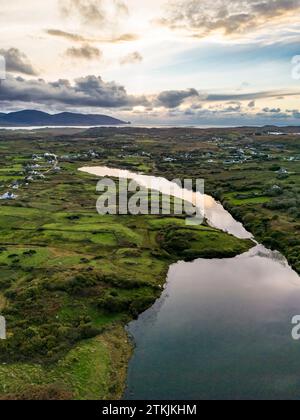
[37, 118]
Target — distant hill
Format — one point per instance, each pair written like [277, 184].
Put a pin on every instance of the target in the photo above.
[286, 129]
[38, 118]
[289, 129]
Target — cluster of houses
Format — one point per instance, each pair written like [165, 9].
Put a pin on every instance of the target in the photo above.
[73, 157]
[134, 154]
[238, 154]
[229, 154]
[33, 171]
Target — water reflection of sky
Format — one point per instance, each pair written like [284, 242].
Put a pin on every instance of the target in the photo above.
[224, 331]
[222, 328]
[216, 215]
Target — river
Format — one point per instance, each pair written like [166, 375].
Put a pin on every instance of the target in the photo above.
[221, 328]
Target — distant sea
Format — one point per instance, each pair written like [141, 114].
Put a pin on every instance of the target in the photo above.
[44, 127]
[28, 128]
[79, 127]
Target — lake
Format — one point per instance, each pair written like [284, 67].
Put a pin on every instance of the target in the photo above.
[221, 328]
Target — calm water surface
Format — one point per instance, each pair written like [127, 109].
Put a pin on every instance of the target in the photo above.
[221, 329]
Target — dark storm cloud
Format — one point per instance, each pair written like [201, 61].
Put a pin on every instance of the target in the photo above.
[90, 91]
[93, 91]
[17, 62]
[85, 52]
[201, 17]
[174, 98]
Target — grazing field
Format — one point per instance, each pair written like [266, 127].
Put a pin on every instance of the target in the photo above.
[70, 279]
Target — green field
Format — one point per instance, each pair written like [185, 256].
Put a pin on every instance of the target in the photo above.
[70, 279]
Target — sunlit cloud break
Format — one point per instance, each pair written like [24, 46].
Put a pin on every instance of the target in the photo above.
[155, 60]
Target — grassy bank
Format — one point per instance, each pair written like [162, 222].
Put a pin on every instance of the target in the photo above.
[93, 369]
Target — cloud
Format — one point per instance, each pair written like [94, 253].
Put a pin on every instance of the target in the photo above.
[93, 92]
[219, 116]
[85, 52]
[70, 36]
[272, 110]
[203, 17]
[90, 91]
[17, 62]
[89, 11]
[132, 58]
[249, 96]
[67, 35]
[296, 114]
[233, 108]
[174, 98]
[124, 38]
[94, 12]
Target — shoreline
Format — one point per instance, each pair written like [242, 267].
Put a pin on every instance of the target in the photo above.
[110, 353]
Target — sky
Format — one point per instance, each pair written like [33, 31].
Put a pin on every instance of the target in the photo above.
[170, 62]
